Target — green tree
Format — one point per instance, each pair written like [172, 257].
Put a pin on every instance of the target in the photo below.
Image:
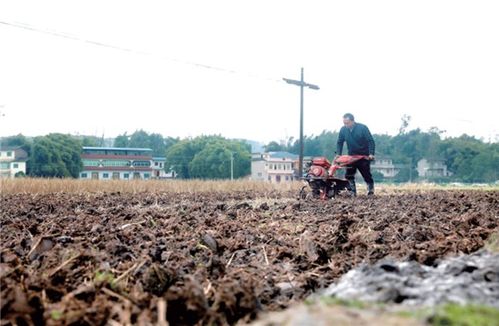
[56, 155]
[470, 159]
[378, 176]
[274, 146]
[122, 141]
[17, 141]
[467, 158]
[90, 141]
[142, 139]
[209, 157]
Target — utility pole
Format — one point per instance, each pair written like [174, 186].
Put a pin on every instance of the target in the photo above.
[231, 166]
[302, 84]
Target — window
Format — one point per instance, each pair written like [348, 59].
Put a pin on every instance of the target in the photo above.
[116, 163]
[160, 165]
[91, 162]
[84, 176]
[126, 175]
[155, 163]
[4, 165]
[9, 153]
[105, 175]
[142, 163]
[259, 174]
[146, 175]
[15, 166]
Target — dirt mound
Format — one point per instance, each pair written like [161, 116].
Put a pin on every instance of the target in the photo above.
[212, 258]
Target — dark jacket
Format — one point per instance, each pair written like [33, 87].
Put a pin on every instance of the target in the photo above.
[359, 140]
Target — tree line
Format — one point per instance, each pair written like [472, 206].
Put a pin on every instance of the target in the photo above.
[468, 159]
[214, 157]
[204, 157]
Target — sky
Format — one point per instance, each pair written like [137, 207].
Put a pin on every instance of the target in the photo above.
[190, 68]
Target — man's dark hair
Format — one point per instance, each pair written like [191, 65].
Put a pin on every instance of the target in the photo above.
[348, 116]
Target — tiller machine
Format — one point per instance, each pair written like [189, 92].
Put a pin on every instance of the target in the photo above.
[321, 178]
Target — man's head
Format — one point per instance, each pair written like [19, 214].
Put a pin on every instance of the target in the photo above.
[348, 120]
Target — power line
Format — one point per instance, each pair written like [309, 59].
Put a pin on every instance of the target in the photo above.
[130, 50]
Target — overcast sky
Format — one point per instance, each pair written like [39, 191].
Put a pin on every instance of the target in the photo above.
[186, 68]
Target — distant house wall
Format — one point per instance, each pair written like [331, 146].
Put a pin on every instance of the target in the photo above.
[114, 174]
[158, 169]
[116, 163]
[432, 168]
[273, 167]
[12, 161]
[385, 166]
[258, 171]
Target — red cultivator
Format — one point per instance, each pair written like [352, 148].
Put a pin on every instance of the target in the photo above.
[321, 178]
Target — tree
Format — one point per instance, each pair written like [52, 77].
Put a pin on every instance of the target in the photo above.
[406, 119]
[56, 155]
[209, 157]
[122, 141]
[273, 146]
[17, 141]
[467, 158]
[377, 176]
[142, 139]
[90, 141]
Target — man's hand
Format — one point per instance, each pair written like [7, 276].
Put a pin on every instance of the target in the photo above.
[371, 157]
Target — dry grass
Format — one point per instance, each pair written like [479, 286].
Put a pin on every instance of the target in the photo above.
[43, 186]
[38, 185]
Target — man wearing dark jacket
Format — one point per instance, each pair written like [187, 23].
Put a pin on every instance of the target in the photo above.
[360, 142]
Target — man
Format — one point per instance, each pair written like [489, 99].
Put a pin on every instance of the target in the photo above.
[360, 142]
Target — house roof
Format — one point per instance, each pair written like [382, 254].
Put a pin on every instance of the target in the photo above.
[283, 155]
[21, 154]
[117, 149]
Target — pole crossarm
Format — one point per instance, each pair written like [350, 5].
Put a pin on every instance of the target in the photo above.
[300, 83]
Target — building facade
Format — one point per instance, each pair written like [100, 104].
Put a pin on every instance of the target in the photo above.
[385, 166]
[115, 163]
[158, 169]
[12, 162]
[428, 168]
[273, 167]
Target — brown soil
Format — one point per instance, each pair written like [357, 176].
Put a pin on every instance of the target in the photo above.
[219, 258]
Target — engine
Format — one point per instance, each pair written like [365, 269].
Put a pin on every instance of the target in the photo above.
[319, 167]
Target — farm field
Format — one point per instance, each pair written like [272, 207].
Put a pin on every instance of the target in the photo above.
[210, 253]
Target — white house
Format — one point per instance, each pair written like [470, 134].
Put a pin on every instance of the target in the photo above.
[158, 169]
[385, 166]
[12, 161]
[432, 168]
[273, 166]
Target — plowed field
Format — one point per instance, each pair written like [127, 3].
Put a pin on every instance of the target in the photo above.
[212, 258]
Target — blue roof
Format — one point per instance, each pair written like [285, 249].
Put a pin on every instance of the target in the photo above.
[117, 149]
[159, 158]
[283, 155]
